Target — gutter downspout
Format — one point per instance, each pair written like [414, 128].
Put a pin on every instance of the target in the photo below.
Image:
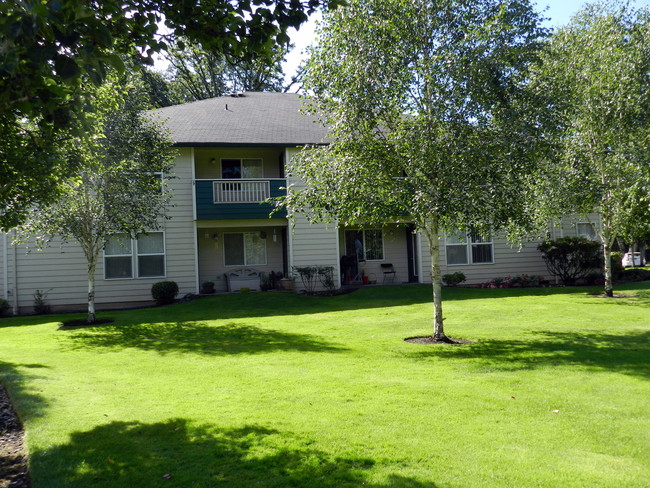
[195, 226]
[15, 289]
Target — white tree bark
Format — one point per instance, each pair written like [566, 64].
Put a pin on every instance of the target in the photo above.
[433, 235]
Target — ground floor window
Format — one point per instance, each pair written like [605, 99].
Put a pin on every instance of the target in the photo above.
[244, 249]
[366, 245]
[586, 230]
[143, 257]
[469, 248]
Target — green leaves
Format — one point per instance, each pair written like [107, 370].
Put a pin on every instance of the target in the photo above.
[51, 50]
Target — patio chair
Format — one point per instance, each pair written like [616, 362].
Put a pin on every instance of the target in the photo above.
[389, 272]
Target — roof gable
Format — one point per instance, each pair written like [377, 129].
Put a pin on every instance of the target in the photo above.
[252, 118]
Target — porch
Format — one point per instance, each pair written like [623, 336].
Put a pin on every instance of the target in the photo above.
[255, 245]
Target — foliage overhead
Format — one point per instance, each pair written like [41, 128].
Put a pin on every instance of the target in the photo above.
[51, 49]
[596, 72]
[196, 73]
[429, 118]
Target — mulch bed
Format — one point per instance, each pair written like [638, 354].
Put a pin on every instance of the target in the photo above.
[13, 459]
[82, 323]
[431, 340]
[616, 295]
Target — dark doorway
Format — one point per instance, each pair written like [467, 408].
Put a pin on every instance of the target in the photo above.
[412, 254]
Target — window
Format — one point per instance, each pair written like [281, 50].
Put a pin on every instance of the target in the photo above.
[244, 249]
[586, 230]
[151, 255]
[367, 245]
[241, 168]
[148, 261]
[468, 248]
[118, 257]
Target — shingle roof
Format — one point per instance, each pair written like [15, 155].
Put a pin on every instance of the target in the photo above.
[252, 119]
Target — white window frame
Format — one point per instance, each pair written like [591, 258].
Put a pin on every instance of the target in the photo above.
[134, 254]
[109, 256]
[241, 168]
[593, 236]
[468, 243]
[137, 254]
[365, 247]
[266, 251]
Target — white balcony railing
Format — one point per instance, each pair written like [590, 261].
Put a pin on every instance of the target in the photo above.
[242, 191]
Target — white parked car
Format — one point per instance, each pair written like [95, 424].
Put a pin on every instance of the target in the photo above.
[627, 259]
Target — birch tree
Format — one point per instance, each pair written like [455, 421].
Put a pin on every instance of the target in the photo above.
[125, 161]
[596, 71]
[429, 120]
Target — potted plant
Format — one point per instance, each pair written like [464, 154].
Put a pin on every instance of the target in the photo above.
[266, 283]
[287, 283]
[207, 287]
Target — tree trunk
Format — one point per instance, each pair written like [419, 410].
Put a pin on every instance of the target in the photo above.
[91, 294]
[433, 235]
[607, 255]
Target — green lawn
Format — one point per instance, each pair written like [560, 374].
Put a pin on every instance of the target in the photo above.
[277, 390]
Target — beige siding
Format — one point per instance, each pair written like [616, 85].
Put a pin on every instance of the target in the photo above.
[60, 269]
[271, 160]
[312, 244]
[507, 261]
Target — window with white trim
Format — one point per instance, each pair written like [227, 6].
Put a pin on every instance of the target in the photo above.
[150, 250]
[242, 168]
[244, 249]
[144, 255]
[118, 257]
[366, 244]
[469, 248]
[586, 230]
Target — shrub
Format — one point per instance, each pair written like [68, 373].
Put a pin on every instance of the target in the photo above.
[164, 292]
[570, 258]
[617, 264]
[522, 281]
[636, 274]
[326, 278]
[454, 279]
[4, 306]
[311, 275]
[40, 305]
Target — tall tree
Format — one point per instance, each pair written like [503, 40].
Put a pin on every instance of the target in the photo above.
[429, 120]
[49, 50]
[596, 72]
[123, 162]
[197, 73]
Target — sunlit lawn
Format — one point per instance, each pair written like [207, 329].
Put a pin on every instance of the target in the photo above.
[275, 390]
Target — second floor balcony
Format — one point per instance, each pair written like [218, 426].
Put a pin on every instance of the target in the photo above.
[237, 198]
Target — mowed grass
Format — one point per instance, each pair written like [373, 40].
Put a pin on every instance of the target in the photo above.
[277, 390]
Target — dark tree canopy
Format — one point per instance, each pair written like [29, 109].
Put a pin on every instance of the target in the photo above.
[51, 47]
[197, 73]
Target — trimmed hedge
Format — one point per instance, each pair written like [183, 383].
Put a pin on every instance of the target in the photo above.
[164, 292]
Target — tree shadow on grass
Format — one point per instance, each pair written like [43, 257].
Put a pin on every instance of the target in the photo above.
[635, 298]
[195, 337]
[16, 377]
[177, 453]
[627, 354]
